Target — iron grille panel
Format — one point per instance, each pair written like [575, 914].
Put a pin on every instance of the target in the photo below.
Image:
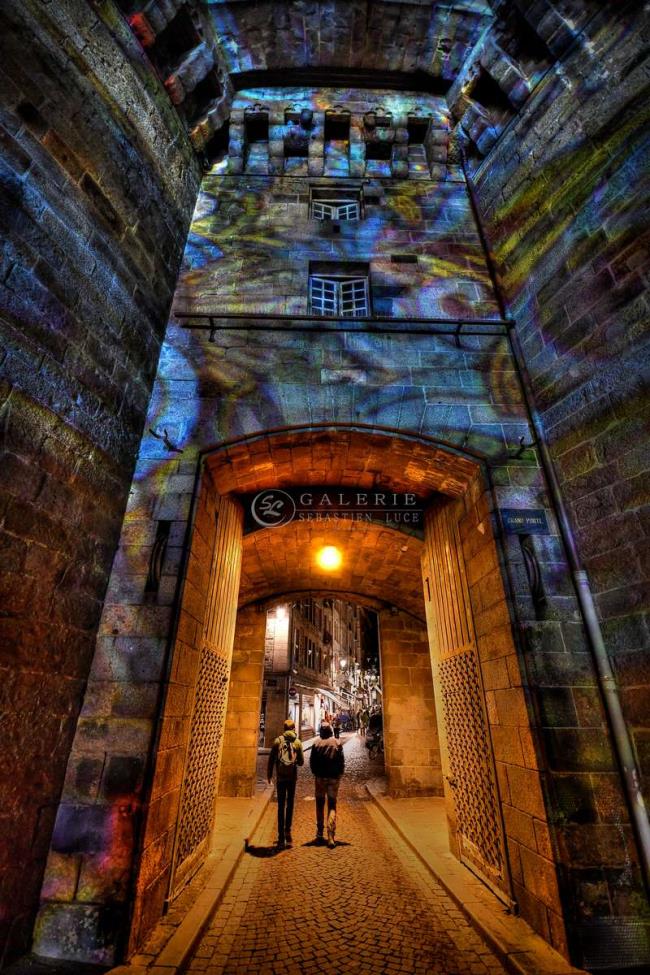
[206, 734]
[469, 759]
[615, 943]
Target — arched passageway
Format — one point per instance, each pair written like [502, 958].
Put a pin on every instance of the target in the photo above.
[549, 102]
[450, 670]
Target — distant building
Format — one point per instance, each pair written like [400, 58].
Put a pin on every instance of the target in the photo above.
[314, 664]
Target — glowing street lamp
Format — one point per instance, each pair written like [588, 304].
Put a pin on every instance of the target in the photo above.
[329, 558]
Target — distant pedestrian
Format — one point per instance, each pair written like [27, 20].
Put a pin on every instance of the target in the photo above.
[376, 722]
[286, 755]
[327, 763]
[363, 717]
[336, 726]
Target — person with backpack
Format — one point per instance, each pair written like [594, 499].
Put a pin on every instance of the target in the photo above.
[286, 755]
[327, 763]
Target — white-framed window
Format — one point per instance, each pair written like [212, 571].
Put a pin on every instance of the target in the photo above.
[337, 210]
[343, 297]
[336, 203]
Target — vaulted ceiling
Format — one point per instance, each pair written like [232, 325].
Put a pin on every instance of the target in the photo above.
[360, 458]
[376, 35]
[485, 57]
[378, 564]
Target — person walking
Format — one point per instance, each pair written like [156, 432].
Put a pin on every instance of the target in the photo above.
[364, 716]
[286, 755]
[327, 763]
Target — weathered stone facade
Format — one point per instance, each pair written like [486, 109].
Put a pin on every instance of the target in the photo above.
[241, 734]
[546, 104]
[262, 363]
[410, 727]
[87, 274]
[571, 239]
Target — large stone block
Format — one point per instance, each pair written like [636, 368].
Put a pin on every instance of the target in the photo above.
[82, 829]
[79, 932]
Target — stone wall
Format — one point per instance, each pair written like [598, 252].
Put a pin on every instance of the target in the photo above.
[376, 34]
[250, 380]
[98, 184]
[254, 237]
[88, 922]
[248, 255]
[412, 757]
[241, 733]
[564, 194]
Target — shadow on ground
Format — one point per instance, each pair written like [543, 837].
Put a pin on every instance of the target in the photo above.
[264, 852]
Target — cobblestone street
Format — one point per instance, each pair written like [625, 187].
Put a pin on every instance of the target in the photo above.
[367, 906]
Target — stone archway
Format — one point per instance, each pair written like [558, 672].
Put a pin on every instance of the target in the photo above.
[384, 565]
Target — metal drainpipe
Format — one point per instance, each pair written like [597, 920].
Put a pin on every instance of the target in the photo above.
[607, 683]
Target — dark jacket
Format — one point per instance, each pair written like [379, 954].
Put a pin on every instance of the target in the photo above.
[286, 773]
[326, 759]
[376, 723]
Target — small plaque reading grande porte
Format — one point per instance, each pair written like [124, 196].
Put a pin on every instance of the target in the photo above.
[524, 521]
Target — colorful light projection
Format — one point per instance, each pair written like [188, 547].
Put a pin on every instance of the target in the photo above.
[248, 253]
[252, 237]
[434, 38]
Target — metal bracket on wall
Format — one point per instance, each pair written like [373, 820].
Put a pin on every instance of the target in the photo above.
[518, 453]
[164, 436]
[515, 453]
[157, 557]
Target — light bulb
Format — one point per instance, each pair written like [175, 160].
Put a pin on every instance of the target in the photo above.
[329, 558]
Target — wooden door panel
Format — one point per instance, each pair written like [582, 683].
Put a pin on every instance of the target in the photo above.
[466, 748]
[207, 727]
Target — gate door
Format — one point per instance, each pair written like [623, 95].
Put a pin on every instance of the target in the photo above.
[466, 749]
[203, 756]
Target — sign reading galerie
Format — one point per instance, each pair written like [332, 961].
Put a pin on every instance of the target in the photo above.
[276, 507]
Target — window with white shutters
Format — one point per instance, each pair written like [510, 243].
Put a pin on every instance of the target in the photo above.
[335, 210]
[343, 297]
[336, 203]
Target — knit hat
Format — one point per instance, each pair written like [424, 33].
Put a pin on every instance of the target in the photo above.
[326, 730]
[289, 724]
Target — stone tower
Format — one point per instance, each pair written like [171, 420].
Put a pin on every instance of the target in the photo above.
[413, 270]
